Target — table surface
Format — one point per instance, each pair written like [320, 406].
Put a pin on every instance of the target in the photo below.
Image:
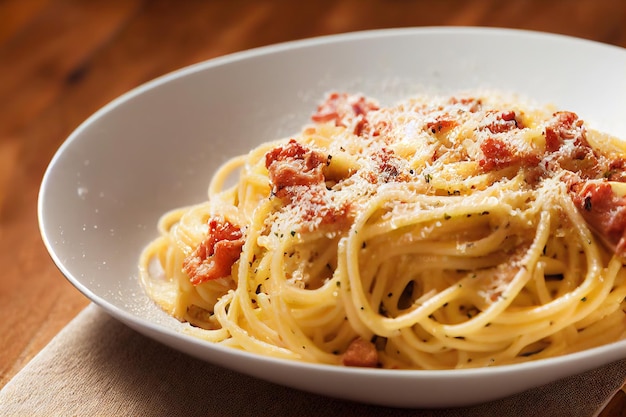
[61, 60]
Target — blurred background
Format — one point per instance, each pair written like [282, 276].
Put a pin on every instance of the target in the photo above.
[61, 60]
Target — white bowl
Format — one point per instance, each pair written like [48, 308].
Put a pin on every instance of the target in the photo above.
[155, 148]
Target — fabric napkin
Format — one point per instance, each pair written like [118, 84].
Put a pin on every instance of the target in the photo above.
[97, 366]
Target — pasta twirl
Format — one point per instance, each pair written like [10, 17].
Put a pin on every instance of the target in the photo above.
[437, 233]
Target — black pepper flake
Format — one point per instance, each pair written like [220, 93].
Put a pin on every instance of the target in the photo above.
[587, 204]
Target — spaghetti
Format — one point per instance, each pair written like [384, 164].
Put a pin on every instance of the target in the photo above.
[438, 233]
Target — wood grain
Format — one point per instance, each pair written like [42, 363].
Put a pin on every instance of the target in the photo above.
[61, 60]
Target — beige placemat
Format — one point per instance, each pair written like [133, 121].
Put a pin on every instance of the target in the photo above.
[97, 366]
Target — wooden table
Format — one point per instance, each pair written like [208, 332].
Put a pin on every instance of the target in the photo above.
[61, 60]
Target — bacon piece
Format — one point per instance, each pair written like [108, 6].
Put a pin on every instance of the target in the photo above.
[505, 122]
[616, 170]
[297, 178]
[387, 168]
[293, 164]
[472, 104]
[603, 210]
[215, 256]
[566, 138]
[344, 109]
[361, 353]
[317, 208]
[564, 125]
[381, 127]
[441, 124]
[497, 154]
[340, 106]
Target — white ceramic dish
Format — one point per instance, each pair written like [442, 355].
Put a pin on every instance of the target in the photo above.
[155, 148]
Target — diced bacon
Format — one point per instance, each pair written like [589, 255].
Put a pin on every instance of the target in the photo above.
[362, 106]
[497, 154]
[603, 210]
[336, 216]
[387, 167]
[381, 127]
[297, 178]
[316, 209]
[564, 125]
[566, 140]
[339, 106]
[508, 116]
[215, 256]
[472, 104]
[505, 122]
[616, 170]
[344, 109]
[361, 353]
[441, 124]
[292, 165]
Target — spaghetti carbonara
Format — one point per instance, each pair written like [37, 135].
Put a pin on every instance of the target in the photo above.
[437, 233]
